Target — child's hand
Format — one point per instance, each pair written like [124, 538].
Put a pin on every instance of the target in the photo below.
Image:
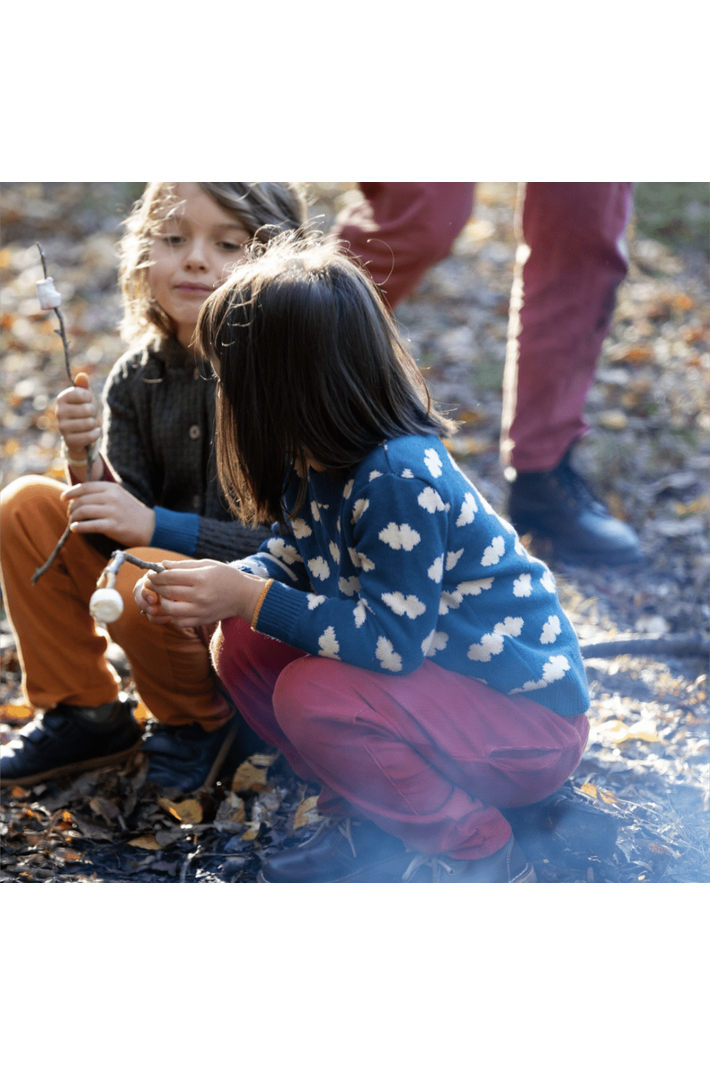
[148, 603]
[199, 592]
[78, 417]
[105, 507]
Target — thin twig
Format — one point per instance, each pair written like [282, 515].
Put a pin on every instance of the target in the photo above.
[55, 552]
[91, 452]
[61, 332]
[684, 645]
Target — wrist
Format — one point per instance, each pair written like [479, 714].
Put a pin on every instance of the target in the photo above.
[257, 606]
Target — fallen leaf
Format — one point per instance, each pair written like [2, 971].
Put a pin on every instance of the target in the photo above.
[248, 777]
[253, 831]
[307, 812]
[612, 419]
[148, 843]
[188, 812]
[230, 813]
[16, 713]
[618, 732]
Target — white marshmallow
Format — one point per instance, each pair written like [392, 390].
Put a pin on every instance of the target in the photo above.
[48, 295]
[106, 605]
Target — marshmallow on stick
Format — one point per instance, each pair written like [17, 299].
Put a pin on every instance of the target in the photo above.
[106, 605]
[49, 298]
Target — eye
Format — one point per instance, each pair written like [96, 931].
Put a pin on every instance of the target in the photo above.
[172, 239]
[230, 246]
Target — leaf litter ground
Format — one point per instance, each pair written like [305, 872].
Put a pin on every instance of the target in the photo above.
[636, 809]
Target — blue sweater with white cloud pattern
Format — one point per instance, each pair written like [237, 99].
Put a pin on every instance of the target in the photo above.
[407, 561]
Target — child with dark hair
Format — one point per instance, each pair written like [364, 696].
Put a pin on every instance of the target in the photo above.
[154, 491]
[392, 637]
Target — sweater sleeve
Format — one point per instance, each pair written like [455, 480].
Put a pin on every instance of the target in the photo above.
[390, 583]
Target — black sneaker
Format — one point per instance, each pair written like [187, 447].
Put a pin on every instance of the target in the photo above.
[341, 850]
[70, 740]
[186, 757]
[559, 505]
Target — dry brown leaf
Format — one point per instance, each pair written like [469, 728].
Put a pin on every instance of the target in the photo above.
[252, 832]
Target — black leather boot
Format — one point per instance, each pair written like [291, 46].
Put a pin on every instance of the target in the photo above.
[559, 505]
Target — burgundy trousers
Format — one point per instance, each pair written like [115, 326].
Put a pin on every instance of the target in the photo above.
[569, 263]
[429, 757]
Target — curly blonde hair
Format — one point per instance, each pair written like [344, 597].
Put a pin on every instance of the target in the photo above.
[264, 208]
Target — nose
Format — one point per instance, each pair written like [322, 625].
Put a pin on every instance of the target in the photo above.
[196, 254]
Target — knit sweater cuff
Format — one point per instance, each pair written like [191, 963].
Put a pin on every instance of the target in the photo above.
[280, 611]
[176, 531]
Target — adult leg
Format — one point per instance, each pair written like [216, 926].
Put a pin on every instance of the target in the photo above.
[571, 259]
[401, 229]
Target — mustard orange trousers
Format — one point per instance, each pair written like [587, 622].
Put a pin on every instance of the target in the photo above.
[61, 651]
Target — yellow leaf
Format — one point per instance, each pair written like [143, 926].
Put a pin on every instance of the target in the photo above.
[612, 419]
[307, 813]
[11, 446]
[189, 812]
[618, 732]
[248, 777]
[140, 713]
[252, 832]
[148, 843]
[589, 789]
[16, 713]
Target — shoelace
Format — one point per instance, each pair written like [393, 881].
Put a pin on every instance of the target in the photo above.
[574, 484]
[435, 861]
[343, 825]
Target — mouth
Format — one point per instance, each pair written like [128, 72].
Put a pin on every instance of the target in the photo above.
[192, 286]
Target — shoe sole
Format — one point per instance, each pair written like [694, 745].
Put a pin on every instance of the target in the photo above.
[526, 876]
[574, 558]
[72, 768]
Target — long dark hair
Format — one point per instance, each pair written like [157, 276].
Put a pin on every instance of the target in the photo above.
[310, 367]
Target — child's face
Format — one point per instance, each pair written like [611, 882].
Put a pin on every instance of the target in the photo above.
[192, 251]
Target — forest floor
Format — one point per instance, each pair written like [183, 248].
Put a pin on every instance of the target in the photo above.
[637, 808]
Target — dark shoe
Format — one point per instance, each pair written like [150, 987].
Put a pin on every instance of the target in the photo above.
[341, 850]
[507, 865]
[70, 740]
[559, 505]
[186, 757]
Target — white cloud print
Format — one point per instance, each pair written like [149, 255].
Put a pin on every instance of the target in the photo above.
[522, 586]
[492, 643]
[278, 547]
[433, 462]
[300, 528]
[319, 568]
[493, 552]
[328, 644]
[468, 510]
[430, 500]
[397, 537]
[554, 669]
[402, 604]
[551, 630]
[387, 656]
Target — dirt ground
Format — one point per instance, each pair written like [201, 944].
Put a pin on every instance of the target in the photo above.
[637, 809]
